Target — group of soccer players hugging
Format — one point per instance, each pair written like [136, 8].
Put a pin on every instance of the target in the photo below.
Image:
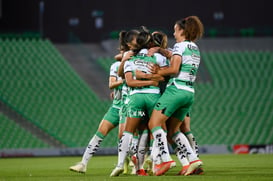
[153, 92]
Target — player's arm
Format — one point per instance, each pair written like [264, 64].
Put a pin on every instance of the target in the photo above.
[142, 75]
[113, 82]
[126, 57]
[131, 82]
[165, 52]
[173, 69]
[118, 57]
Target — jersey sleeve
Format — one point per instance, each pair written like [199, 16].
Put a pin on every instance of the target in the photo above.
[178, 48]
[114, 69]
[128, 67]
[161, 60]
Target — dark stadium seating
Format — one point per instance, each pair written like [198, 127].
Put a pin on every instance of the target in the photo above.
[236, 106]
[39, 84]
[13, 136]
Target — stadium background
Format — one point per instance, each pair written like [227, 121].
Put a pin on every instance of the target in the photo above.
[55, 58]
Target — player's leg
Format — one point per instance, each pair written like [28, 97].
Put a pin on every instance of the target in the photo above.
[110, 121]
[181, 156]
[122, 121]
[183, 145]
[160, 141]
[124, 144]
[185, 128]
[142, 147]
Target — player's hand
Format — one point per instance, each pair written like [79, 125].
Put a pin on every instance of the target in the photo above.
[155, 83]
[128, 56]
[152, 51]
[157, 77]
[140, 74]
[153, 68]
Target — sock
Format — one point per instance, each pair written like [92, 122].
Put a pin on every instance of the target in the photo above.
[184, 146]
[180, 155]
[155, 155]
[143, 138]
[123, 147]
[134, 145]
[149, 149]
[161, 143]
[92, 147]
[193, 142]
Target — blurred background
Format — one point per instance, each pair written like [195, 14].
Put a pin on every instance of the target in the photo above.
[93, 20]
[54, 67]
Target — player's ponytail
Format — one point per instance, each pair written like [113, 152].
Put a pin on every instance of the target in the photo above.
[144, 38]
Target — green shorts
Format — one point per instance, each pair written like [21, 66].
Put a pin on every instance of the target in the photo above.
[175, 102]
[141, 104]
[112, 115]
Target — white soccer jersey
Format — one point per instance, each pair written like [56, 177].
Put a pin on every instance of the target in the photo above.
[141, 62]
[114, 70]
[117, 91]
[190, 54]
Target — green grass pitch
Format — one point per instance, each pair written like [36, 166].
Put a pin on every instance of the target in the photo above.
[217, 167]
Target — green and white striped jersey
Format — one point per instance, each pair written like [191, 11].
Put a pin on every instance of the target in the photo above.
[141, 62]
[186, 76]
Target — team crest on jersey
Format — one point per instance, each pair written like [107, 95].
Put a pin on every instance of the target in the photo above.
[140, 62]
[175, 48]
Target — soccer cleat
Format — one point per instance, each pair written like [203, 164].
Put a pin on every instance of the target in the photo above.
[79, 167]
[148, 162]
[126, 165]
[131, 164]
[184, 170]
[162, 168]
[134, 165]
[155, 168]
[134, 160]
[193, 166]
[116, 172]
[133, 172]
[198, 171]
[173, 164]
[141, 172]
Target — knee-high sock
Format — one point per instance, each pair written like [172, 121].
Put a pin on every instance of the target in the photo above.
[92, 147]
[155, 155]
[123, 148]
[143, 138]
[193, 142]
[179, 154]
[184, 146]
[160, 140]
[134, 145]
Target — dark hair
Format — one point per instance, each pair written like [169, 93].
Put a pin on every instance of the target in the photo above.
[130, 35]
[160, 39]
[144, 38]
[122, 41]
[193, 27]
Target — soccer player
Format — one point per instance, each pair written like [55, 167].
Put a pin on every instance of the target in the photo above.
[110, 120]
[178, 97]
[130, 41]
[143, 95]
[160, 45]
[160, 40]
